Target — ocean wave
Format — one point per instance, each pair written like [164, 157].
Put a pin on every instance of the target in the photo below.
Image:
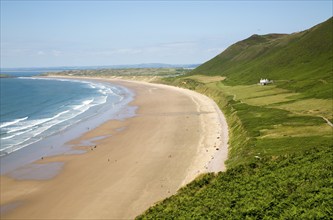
[6, 124]
[11, 147]
[84, 103]
[46, 123]
[16, 134]
[8, 137]
[101, 100]
[102, 89]
[16, 147]
[32, 123]
[28, 137]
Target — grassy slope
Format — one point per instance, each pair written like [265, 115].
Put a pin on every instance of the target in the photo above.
[280, 149]
[300, 62]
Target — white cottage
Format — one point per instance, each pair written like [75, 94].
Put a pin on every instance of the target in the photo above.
[264, 82]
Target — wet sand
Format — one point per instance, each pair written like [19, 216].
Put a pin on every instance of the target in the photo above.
[176, 135]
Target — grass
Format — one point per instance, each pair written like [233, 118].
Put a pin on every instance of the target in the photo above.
[288, 187]
[272, 96]
[280, 131]
[259, 95]
[206, 79]
[319, 107]
[300, 62]
[255, 116]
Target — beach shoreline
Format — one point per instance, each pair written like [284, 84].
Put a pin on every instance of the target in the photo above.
[176, 135]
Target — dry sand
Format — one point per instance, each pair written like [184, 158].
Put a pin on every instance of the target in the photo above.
[144, 159]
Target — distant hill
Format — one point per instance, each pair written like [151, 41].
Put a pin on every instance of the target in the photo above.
[301, 62]
[125, 66]
[5, 76]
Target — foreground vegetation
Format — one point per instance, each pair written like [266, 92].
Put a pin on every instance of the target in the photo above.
[281, 136]
[288, 187]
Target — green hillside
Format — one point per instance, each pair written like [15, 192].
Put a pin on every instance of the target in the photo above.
[280, 135]
[301, 62]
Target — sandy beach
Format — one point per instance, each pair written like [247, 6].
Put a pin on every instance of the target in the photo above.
[176, 135]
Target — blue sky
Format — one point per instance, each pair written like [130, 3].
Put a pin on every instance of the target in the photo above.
[83, 33]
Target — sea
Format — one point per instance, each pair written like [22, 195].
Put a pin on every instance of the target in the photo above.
[35, 109]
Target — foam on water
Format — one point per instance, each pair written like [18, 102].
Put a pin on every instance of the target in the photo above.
[5, 124]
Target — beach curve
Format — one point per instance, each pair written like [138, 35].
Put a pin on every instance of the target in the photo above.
[176, 135]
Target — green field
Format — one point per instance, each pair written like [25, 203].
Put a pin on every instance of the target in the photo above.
[280, 144]
[266, 120]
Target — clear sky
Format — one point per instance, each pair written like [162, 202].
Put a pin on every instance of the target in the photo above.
[86, 33]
